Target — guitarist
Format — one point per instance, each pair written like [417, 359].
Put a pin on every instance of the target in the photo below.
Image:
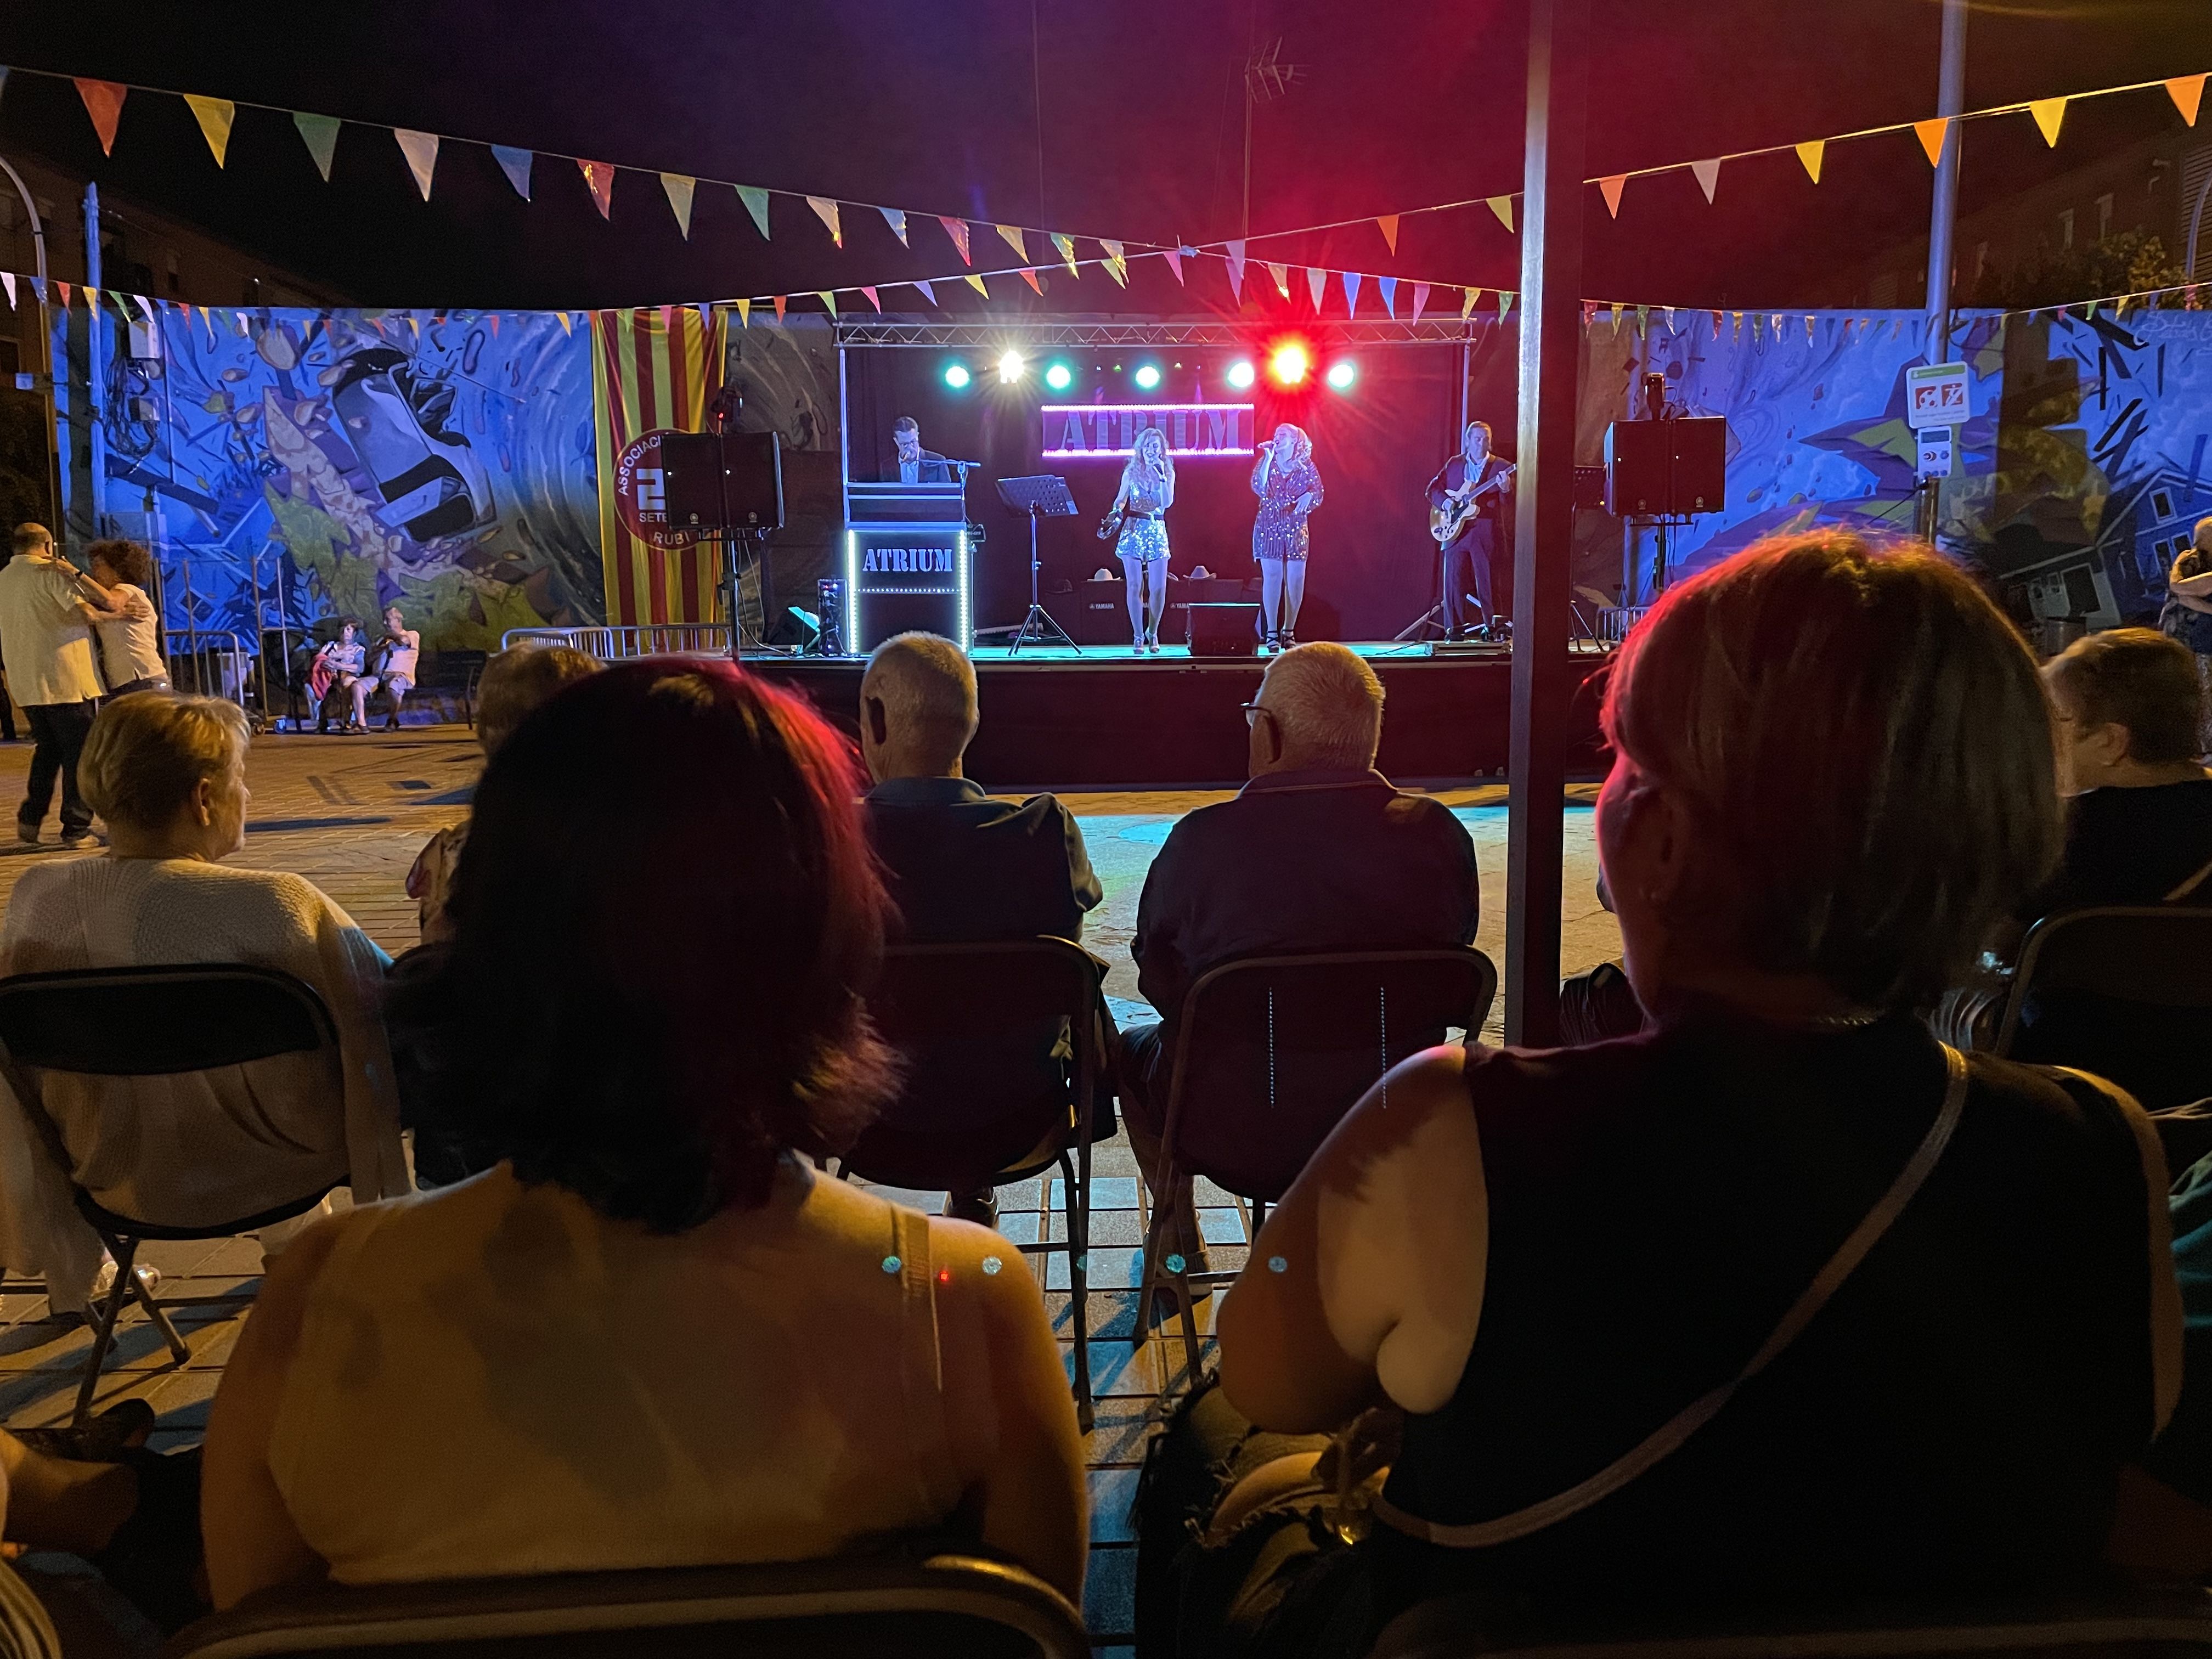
[1467, 554]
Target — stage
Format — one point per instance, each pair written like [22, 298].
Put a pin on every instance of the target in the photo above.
[1104, 719]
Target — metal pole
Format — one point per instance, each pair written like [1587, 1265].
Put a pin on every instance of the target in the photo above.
[44, 372]
[95, 360]
[1544, 508]
[2196, 223]
[1943, 214]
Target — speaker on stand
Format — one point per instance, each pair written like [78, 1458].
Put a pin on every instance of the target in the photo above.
[728, 487]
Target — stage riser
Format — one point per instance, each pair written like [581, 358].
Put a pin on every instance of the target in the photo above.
[1129, 725]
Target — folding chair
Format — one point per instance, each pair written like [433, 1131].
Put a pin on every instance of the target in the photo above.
[1270, 1052]
[2113, 987]
[907, 1605]
[155, 1022]
[2170, 1622]
[1002, 999]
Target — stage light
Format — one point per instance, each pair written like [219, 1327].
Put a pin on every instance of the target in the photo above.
[1341, 374]
[1289, 363]
[1060, 377]
[956, 375]
[1240, 375]
[1010, 367]
[1147, 376]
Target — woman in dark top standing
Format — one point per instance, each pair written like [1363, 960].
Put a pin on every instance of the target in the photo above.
[1832, 774]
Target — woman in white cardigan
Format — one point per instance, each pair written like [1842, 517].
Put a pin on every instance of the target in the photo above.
[168, 775]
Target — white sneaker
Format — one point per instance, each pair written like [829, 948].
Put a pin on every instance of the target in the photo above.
[103, 1282]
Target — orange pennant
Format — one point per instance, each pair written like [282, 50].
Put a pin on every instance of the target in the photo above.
[1932, 134]
[1387, 224]
[2187, 92]
[1611, 189]
[1029, 276]
[103, 102]
[780, 299]
[599, 179]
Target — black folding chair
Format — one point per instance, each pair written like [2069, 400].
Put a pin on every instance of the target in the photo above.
[907, 1605]
[1270, 1052]
[2113, 990]
[2170, 1623]
[155, 1022]
[941, 1004]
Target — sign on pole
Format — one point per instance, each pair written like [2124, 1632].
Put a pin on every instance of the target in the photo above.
[1936, 395]
[1938, 454]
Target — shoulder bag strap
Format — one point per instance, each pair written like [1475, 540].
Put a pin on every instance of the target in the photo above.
[921, 1373]
[1520, 1523]
[2188, 886]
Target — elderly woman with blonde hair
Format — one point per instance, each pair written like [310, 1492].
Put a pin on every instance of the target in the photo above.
[168, 775]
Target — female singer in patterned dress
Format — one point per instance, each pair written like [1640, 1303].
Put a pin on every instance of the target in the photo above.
[1289, 488]
[1148, 487]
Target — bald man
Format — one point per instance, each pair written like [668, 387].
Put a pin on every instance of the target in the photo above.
[963, 867]
[1318, 852]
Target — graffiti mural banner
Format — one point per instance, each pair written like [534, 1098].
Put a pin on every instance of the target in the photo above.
[285, 465]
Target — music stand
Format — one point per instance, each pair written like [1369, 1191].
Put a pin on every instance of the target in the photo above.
[1044, 497]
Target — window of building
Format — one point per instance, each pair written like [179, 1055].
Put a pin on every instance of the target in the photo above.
[2104, 215]
[2066, 227]
[2161, 505]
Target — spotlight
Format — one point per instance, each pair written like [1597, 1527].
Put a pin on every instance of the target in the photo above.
[1060, 377]
[1240, 376]
[1147, 376]
[956, 375]
[1290, 363]
[1010, 367]
[1341, 374]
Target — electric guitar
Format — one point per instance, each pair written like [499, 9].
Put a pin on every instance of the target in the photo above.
[1446, 522]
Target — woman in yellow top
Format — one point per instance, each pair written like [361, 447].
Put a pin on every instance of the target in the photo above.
[653, 1336]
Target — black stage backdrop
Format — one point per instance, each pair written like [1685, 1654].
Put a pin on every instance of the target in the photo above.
[1373, 567]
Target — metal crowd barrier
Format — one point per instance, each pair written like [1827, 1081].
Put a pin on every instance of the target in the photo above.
[1613, 621]
[209, 664]
[637, 640]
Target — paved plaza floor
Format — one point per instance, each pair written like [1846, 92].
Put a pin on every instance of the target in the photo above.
[349, 814]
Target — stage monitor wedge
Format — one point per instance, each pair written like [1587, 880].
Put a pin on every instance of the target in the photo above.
[719, 482]
[1669, 469]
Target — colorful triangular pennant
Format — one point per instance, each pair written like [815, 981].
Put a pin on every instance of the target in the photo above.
[826, 211]
[103, 102]
[515, 163]
[1030, 276]
[1420, 299]
[976, 282]
[1316, 284]
[1065, 247]
[1117, 261]
[828, 299]
[680, 189]
[1236, 268]
[871, 293]
[1281, 275]
[1468, 296]
[599, 179]
[215, 116]
[1504, 302]
[1387, 224]
[958, 230]
[1013, 235]
[1810, 153]
[1610, 188]
[321, 135]
[1503, 207]
[744, 313]
[1174, 257]
[1389, 287]
[2048, 113]
[1932, 134]
[1351, 293]
[2187, 92]
[895, 218]
[1708, 175]
[927, 292]
[756, 201]
[421, 149]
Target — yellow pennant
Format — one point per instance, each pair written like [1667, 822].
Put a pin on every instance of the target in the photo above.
[744, 313]
[2048, 113]
[215, 116]
[1013, 236]
[976, 282]
[1810, 153]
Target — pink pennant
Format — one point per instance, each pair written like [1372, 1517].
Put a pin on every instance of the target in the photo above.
[871, 293]
[958, 230]
[599, 179]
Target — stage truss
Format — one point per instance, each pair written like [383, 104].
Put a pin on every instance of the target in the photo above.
[1045, 334]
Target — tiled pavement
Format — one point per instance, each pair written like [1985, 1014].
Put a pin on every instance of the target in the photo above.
[351, 813]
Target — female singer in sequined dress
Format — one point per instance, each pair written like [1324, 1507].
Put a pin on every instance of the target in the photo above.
[1148, 487]
[1289, 488]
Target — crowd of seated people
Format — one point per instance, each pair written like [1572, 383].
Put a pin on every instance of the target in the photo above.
[1779, 1299]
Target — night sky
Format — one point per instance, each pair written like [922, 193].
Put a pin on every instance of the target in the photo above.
[929, 105]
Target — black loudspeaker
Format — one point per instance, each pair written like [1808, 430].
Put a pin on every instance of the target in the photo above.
[1224, 630]
[1666, 469]
[723, 480]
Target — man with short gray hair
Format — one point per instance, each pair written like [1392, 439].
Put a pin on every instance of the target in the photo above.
[47, 607]
[963, 867]
[1318, 852]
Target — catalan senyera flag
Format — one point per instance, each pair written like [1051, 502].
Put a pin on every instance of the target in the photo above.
[653, 371]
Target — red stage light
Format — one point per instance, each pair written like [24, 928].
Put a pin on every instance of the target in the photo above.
[1289, 363]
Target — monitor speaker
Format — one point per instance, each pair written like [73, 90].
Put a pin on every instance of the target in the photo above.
[1666, 469]
[1224, 630]
[723, 480]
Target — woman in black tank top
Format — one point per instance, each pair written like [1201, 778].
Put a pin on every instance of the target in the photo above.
[1778, 1302]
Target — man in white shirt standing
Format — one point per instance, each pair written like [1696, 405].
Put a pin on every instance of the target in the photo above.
[47, 608]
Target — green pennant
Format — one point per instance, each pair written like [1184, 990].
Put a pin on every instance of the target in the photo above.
[756, 201]
[321, 134]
